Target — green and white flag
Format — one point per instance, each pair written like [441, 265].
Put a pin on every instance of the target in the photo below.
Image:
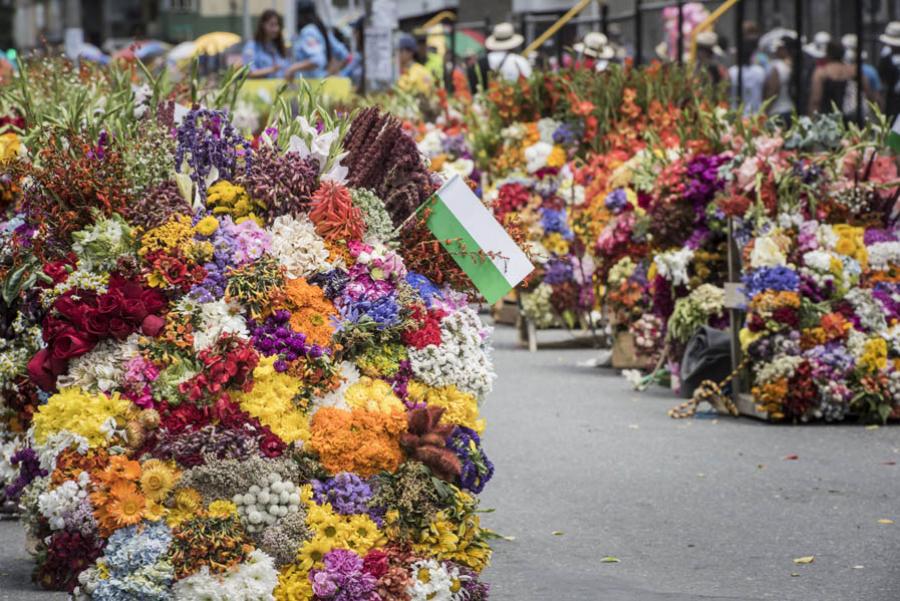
[476, 240]
[893, 139]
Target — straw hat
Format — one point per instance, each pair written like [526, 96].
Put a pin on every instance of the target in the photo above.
[595, 45]
[817, 47]
[503, 37]
[709, 39]
[891, 35]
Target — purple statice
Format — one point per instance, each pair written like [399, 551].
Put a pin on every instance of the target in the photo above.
[586, 299]
[331, 282]
[779, 278]
[558, 271]
[348, 494]
[616, 200]
[29, 469]
[555, 220]
[425, 287]
[342, 578]
[697, 238]
[477, 469]
[207, 139]
[830, 362]
[274, 336]
[454, 146]
[816, 291]
[249, 241]
[400, 383]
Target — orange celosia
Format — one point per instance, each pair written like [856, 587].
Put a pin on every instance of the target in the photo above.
[361, 441]
[311, 311]
[334, 214]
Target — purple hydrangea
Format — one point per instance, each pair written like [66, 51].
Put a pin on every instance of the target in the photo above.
[565, 135]
[425, 287]
[558, 271]
[348, 494]
[555, 220]
[703, 179]
[779, 278]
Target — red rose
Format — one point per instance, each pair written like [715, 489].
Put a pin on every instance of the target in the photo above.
[127, 288]
[72, 343]
[109, 304]
[40, 370]
[57, 271]
[73, 310]
[228, 413]
[375, 563]
[119, 328]
[134, 310]
[271, 446]
[153, 300]
[52, 327]
[96, 323]
[152, 325]
[186, 414]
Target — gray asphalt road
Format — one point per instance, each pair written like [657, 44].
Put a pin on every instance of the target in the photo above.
[702, 509]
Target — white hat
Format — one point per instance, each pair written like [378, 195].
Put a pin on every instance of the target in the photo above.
[819, 44]
[709, 39]
[595, 45]
[503, 37]
[891, 35]
[850, 43]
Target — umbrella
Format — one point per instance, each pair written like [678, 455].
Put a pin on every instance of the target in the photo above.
[89, 52]
[468, 42]
[182, 51]
[216, 42]
[145, 50]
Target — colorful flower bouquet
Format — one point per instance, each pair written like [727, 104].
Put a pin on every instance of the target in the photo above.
[233, 374]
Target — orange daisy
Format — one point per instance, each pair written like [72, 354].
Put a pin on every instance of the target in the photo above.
[126, 504]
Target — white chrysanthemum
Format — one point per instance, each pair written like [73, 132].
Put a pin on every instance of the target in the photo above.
[783, 366]
[462, 358]
[869, 310]
[103, 368]
[536, 156]
[298, 247]
[882, 255]
[64, 499]
[55, 444]
[218, 318]
[819, 260]
[254, 580]
[431, 143]
[431, 581]
[335, 398]
[766, 253]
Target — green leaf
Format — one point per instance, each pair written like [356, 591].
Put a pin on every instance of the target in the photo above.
[609, 559]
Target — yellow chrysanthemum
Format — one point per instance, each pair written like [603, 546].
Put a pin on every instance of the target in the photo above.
[81, 413]
[207, 226]
[374, 395]
[293, 584]
[312, 552]
[271, 401]
[555, 243]
[557, 157]
[363, 534]
[10, 146]
[225, 198]
[460, 407]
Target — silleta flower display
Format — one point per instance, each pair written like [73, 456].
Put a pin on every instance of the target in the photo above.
[241, 391]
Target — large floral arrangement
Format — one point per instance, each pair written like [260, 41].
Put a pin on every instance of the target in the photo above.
[820, 271]
[234, 379]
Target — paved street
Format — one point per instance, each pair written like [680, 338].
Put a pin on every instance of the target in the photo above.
[700, 509]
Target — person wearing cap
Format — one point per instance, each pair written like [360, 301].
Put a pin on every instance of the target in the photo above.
[595, 52]
[709, 55]
[869, 72]
[318, 53]
[500, 58]
[415, 78]
[889, 68]
[778, 81]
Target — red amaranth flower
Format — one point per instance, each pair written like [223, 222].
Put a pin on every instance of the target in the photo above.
[426, 441]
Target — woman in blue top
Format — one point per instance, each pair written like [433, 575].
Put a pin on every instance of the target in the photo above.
[265, 55]
[317, 51]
